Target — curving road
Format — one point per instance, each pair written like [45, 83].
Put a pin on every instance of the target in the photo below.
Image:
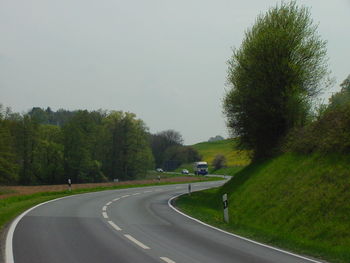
[130, 225]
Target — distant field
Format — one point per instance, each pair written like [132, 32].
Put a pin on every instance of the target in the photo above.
[227, 148]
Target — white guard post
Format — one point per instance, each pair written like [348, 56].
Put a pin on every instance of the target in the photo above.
[225, 203]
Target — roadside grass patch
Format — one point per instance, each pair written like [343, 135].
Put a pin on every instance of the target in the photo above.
[4, 191]
[228, 170]
[297, 202]
[13, 206]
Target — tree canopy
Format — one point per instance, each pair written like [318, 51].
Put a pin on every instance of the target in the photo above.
[83, 146]
[273, 77]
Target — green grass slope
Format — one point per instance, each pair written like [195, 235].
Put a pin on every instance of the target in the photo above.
[298, 202]
[234, 157]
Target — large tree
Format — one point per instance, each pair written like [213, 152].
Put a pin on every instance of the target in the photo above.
[273, 77]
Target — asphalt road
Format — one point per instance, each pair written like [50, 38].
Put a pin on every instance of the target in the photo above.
[130, 225]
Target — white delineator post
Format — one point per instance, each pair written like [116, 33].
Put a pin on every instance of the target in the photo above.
[225, 203]
[69, 185]
[189, 189]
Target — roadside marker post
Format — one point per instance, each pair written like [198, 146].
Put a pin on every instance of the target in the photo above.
[69, 185]
[189, 189]
[225, 203]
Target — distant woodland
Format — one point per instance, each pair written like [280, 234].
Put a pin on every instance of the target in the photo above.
[48, 147]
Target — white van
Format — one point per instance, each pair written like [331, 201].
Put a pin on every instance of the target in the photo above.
[200, 168]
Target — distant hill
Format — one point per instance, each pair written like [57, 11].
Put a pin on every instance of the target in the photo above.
[216, 138]
[234, 156]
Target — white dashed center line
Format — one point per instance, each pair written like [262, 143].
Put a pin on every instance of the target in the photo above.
[114, 226]
[140, 244]
[117, 228]
[168, 260]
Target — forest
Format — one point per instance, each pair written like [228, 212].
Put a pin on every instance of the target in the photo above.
[49, 147]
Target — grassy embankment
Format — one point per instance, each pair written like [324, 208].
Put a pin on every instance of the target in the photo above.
[11, 207]
[298, 202]
[235, 159]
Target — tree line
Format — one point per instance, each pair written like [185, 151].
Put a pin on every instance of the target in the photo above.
[47, 147]
[169, 151]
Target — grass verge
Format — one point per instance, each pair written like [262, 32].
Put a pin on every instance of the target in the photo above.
[297, 202]
[4, 191]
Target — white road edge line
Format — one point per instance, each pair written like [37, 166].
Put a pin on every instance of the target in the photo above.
[114, 226]
[9, 237]
[167, 260]
[104, 214]
[140, 244]
[237, 236]
[104, 208]
[108, 203]
[136, 193]
[125, 196]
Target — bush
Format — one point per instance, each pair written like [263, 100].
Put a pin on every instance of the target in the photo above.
[330, 132]
[219, 162]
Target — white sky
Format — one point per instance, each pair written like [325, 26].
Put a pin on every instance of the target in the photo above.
[163, 60]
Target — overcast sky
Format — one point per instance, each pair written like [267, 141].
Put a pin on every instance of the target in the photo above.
[163, 60]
